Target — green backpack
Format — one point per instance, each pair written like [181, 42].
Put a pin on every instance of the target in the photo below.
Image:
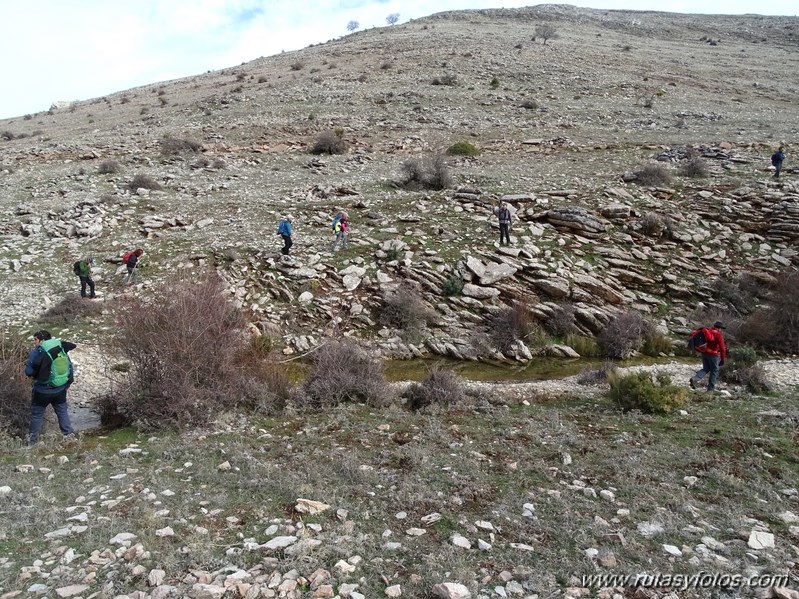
[58, 368]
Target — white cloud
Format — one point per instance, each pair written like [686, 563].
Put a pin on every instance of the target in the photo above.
[55, 50]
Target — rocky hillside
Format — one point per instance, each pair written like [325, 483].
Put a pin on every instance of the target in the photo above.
[562, 128]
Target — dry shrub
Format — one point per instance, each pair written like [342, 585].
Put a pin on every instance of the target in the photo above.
[624, 335]
[329, 142]
[405, 309]
[596, 376]
[268, 386]
[145, 182]
[447, 79]
[509, 325]
[428, 172]
[343, 372]
[71, 309]
[695, 168]
[440, 388]
[15, 389]
[172, 146]
[776, 325]
[740, 294]
[656, 225]
[182, 347]
[562, 321]
[653, 175]
[108, 167]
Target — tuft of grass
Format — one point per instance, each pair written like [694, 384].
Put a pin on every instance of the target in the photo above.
[463, 148]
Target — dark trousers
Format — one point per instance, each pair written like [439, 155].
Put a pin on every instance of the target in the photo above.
[504, 233]
[86, 281]
[777, 169]
[287, 243]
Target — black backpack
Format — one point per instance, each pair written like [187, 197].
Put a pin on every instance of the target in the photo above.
[76, 268]
[699, 339]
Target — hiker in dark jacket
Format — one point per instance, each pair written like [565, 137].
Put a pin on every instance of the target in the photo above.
[776, 160]
[713, 356]
[85, 274]
[504, 215]
[39, 367]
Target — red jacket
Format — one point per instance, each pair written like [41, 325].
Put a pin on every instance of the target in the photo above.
[716, 347]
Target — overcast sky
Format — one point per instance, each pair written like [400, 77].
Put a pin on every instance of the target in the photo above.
[61, 50]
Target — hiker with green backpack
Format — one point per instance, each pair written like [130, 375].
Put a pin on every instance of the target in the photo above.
[83, 270]
[52, 373]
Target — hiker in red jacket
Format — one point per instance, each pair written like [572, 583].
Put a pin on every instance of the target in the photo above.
[713, 356]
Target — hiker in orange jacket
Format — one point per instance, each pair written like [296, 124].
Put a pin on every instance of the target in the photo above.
[713, 356]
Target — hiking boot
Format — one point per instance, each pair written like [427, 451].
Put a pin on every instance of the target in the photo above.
[692, 383]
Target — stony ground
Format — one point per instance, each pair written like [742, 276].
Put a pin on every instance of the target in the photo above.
[530, 497]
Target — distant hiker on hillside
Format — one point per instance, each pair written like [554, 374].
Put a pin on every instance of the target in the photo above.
[710, 343]
[505, 216]
[285, 231]
[52, 373]
[131, 260]
[777, 159]
[341, 227]
[83, 268]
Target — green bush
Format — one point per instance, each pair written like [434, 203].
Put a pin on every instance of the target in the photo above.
[638, 391]
[440, 388]
[742, 368]
[452, 285]
[463, 148]
[494, 83]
